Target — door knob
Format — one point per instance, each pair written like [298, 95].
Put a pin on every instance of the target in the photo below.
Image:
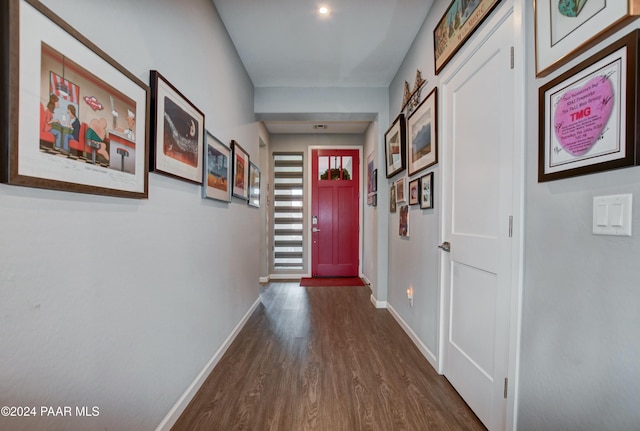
[445, 246]
[315, 229]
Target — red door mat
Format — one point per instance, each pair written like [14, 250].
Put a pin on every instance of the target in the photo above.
[332, 281]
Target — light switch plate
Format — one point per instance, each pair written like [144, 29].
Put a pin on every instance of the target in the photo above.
[612, 215]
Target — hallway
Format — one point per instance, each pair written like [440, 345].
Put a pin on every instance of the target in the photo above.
[323, 358]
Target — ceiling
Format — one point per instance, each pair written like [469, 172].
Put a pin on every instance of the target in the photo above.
[286, 43]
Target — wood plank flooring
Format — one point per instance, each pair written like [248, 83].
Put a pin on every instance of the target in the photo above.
[324, 358]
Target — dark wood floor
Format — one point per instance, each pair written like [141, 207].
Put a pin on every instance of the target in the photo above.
[323, 358]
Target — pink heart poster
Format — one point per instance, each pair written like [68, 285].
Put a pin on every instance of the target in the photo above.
[582, 115]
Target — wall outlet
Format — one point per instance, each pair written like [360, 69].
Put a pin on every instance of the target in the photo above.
[410, 296]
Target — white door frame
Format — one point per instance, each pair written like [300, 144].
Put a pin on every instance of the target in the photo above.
[515, 7]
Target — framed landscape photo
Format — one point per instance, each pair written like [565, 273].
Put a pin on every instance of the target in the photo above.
[217, 170]
[395, 145]
[426, 191]
[422, 132]
[456, 26]
[178, 130]
[76, 120]
[413, 192]
[240, 188]
[254, 185]
[589, 114]
[564, 29]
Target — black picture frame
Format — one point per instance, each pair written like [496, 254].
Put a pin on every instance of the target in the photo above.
[254, 186]
[178, 132]
[426, 191]
[216, 178]
[395, 147]
[240, 175]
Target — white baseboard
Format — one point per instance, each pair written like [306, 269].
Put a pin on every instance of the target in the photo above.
[433, 360]
[264, 279]
[366, 280]
[182, 403]
[292, 277]
[378, 304]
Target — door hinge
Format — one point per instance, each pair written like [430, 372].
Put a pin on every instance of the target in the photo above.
[510, 226]
[512, 60]
[506, 387]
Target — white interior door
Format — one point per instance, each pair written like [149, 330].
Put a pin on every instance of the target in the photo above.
[478, 118]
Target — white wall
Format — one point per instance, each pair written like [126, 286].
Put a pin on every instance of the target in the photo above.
[579, 366]
[120, 303]
[414, 262]
[370, 246]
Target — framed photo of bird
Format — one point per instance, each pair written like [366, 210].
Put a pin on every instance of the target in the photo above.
[178, 132]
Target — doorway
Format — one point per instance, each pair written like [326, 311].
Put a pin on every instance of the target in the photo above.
[481, 190]
[335, 216]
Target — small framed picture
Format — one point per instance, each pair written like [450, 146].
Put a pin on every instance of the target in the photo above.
[240, 187]
[413, 192]
[178, 130]
[392, 198]
[217, 170]
[400, 190]
[254, 185]
[404, 221]
[426, 191]
[395, 147]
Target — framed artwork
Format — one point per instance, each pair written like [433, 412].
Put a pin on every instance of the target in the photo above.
[217, 169]
[413, 192]
[566, 28]
[375, 180]
[422, 132]
[178, 130]
[76, 120]
[374, 200]
[254, 185]
[392, 198]
[456, 26]
[395, 145]
[426, 191]
[589, 114]
[240, 177]
[404, 221]
[400, 190]
[370, 170]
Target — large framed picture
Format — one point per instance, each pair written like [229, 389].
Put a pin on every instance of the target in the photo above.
[178, 130]
[395, 145]
[254, 185]
[74, 118]
[456, 26]
[564, 29]
[422, 132]
[240, 187]
[217, 170]
[589, 114]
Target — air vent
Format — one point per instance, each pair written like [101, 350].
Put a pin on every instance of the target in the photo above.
[320, 126]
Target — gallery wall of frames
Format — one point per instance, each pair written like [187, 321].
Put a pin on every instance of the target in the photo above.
[86, 124]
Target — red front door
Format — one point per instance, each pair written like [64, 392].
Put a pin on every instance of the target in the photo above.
[335, 213]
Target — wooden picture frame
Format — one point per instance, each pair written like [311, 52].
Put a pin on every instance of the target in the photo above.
[178, 132]
[422, 134]
[240, 176]
[456, 26]
[589, 115]
[254, 185]
[414, 199]
[400, 192]
[217, 169]
[59, 86]
[392, 198]
[563, 33]
[426, 191]
[395, 147]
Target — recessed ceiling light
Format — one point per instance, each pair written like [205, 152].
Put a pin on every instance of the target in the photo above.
[323, 10]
